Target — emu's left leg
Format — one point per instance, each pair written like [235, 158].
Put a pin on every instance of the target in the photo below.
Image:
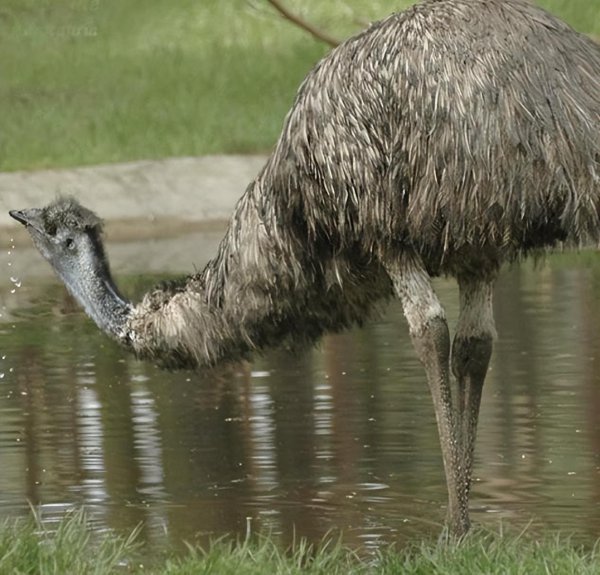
[470, 358]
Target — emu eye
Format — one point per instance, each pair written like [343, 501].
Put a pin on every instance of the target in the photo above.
[69, 243]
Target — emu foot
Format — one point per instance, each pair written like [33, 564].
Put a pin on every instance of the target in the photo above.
[456, 528]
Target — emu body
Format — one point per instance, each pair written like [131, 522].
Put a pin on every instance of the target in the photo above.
[446, 139]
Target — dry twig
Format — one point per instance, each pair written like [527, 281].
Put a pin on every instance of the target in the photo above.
[298, 21]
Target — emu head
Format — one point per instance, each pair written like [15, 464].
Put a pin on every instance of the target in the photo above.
[69, 237]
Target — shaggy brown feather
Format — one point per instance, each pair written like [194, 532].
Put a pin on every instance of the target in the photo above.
[465, 130]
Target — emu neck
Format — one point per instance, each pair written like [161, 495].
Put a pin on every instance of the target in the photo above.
[96, 291]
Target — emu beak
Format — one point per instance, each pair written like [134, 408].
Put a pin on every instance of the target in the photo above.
[29, 217]
[19, 216]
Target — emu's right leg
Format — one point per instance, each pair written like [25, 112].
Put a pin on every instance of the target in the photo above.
[471, 353]
[431, 340]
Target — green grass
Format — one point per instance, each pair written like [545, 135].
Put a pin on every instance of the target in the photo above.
[482, 553]
[73, 548]
[495, 553]
[27, 547]
[94, 81]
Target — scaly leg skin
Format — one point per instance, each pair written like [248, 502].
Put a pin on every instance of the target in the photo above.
[431, 340]
[471, 353]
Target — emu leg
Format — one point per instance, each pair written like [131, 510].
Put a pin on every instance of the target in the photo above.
[431, 340]
[471, 353]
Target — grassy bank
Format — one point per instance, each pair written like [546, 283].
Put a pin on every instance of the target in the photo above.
[94, 81]
[26, 547]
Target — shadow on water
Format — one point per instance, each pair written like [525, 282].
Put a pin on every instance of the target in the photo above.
[339, 437]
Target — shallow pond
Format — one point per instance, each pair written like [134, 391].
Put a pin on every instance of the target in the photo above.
[339, 437]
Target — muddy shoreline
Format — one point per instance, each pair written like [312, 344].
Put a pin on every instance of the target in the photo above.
[138, 199]
[166, 216]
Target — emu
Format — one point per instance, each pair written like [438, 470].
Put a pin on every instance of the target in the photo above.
[447, 139]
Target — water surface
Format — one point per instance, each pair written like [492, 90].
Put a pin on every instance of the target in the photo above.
[339, 437]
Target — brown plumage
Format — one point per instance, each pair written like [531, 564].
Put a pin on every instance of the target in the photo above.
[446, 139]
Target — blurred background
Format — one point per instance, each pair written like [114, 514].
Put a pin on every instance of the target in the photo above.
[94, 81]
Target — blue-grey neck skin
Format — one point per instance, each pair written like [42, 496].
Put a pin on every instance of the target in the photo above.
[98, 295]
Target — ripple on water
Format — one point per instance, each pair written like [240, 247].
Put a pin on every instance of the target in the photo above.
[339, 437]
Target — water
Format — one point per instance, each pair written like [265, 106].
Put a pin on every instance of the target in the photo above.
[340, 437]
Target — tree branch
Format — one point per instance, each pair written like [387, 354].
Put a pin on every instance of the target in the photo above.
[307, 26]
